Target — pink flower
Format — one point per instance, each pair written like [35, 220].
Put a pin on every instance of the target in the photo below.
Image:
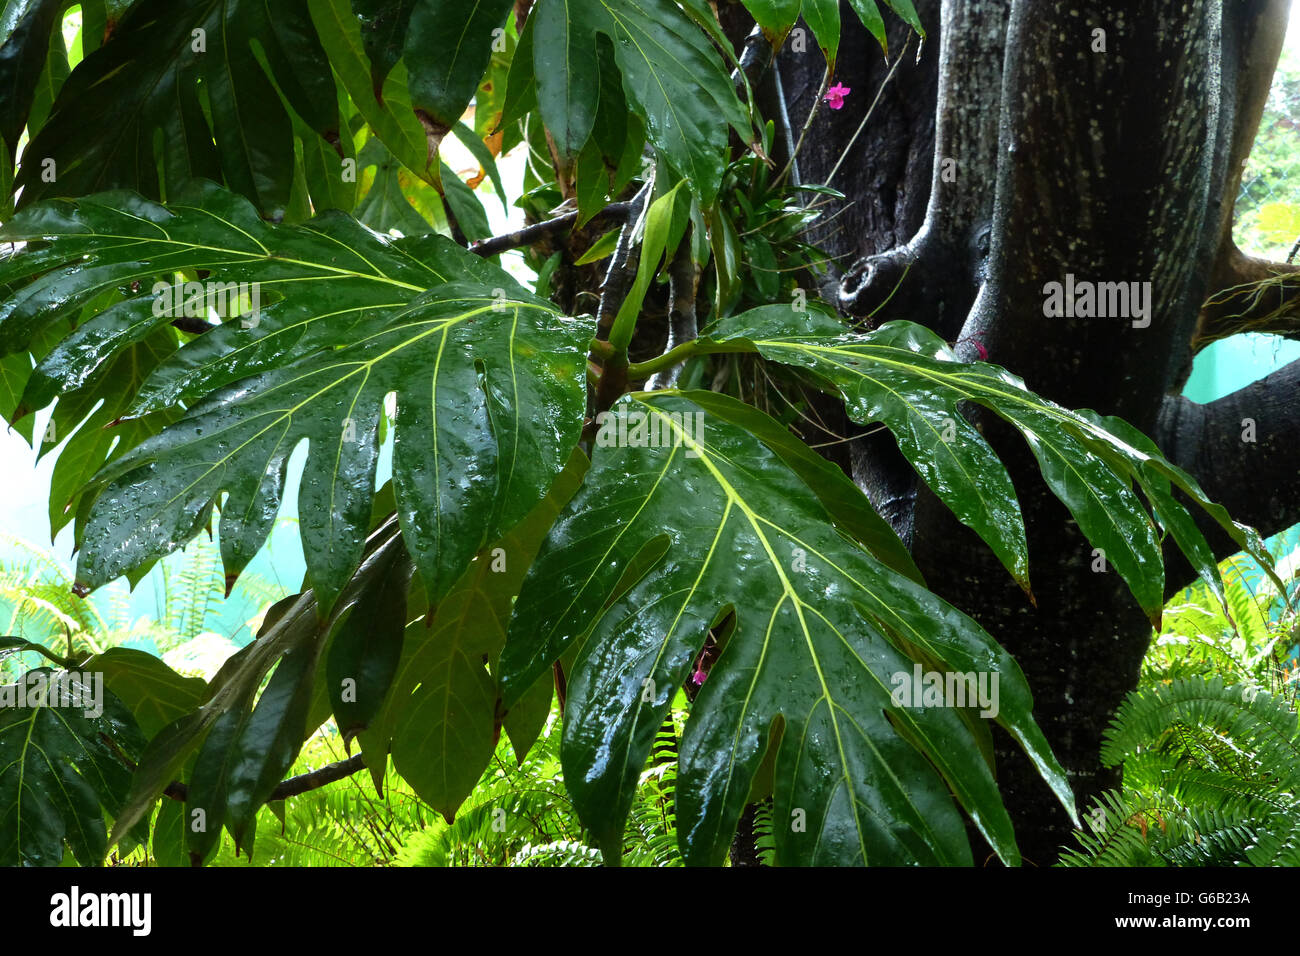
[835, 96]
[698, 677]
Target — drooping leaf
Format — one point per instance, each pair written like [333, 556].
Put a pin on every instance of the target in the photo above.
[906, 377]
[366, 648]
[945, 448]
[291, 624]
[151, 70]
[869, 13]
[442, 715]
[906, 10]
[26, 28]
[823, 636]
[268, 741]
[447, 49]
[154, 693]
[391, 119]
[775, 17]
[674, 80]
[823, 18]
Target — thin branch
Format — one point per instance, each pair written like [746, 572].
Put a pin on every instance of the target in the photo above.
[293, 786]
[193, 326]
[683, 284]
[618, 280]
[538, 231]
[812, 112]
[871, 109]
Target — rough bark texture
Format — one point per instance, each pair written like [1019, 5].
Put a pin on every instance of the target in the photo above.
[1111, 166]
[938, 271]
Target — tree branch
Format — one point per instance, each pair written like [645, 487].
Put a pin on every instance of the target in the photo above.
[618, 280]
[1250, 295]
[528, 235]
[684, 283]
[1244, 449]
[293, 786]
[933, 278]
[192, 326]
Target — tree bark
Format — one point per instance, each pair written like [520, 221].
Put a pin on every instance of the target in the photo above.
[1113, 163]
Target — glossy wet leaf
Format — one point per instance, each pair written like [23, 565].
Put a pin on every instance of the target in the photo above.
[674, 80]
[447, 49]
[25, 30]
[58, 775]
[442, 715]
[947, 451]
[366, 647]
[824, 633]
[907, 377]
[153, 69]
[489, 383]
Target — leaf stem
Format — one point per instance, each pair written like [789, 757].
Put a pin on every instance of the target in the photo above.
[675, 356]
[812, 112]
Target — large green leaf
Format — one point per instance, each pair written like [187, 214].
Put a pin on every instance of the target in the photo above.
[674, 79]
[945, 448]
[154, 693]
[489, 383]
[291, 626]
[151, 71]
[447, 49]
[59, 773]
[366, 648]
[87, 424]
[26, 27]
[906, 377]
[442, 715]
[774, 17]
[389, 114]
[823, 634]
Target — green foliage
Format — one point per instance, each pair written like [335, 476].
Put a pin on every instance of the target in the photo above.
[1211, 765]
[248, 237]
[1268, 206]
[487, 469]
[823, 667]
[61, 768]
[162, 54]
[1211, 774]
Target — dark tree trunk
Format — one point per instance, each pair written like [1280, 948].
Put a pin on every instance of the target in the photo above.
[1112, 166]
